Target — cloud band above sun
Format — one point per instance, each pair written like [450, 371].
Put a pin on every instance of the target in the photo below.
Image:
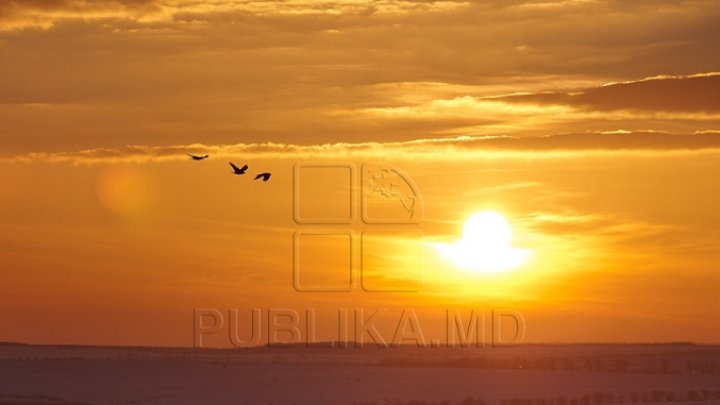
[224, 72]
[464, 147]
[485, 247]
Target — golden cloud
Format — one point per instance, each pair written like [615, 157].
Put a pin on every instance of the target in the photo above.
[461, 147]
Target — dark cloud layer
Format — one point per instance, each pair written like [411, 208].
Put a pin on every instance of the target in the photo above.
[671, 94]
[78, 74]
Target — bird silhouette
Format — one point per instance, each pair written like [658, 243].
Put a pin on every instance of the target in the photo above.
[264, 176]
[237, 170]
[198, 157]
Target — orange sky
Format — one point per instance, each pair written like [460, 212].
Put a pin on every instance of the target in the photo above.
[592, 126]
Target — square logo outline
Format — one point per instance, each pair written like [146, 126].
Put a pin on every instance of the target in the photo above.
[297, 285]
[297, 217]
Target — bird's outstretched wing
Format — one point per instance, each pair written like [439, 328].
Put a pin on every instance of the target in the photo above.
[238, 170]
[263, 176]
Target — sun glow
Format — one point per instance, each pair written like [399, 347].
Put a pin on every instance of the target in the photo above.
[485, 246]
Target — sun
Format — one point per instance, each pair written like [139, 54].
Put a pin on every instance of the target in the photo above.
[486, 245]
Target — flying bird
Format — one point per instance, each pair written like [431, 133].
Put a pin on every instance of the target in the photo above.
[237, 170]
[264, 176]
[198, 157]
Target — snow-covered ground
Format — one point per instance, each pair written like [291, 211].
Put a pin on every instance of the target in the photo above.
[49, 374]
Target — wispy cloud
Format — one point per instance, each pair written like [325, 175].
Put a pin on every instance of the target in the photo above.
[462, 147]
[44, 14]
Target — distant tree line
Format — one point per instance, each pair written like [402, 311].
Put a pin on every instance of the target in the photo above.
[594, 398]
[594, 364]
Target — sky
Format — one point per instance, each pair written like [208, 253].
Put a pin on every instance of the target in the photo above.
[592, 126]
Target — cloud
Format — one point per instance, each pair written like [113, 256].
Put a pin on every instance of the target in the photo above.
[665, 103]
[79, 74]
[693, 93]
[464, 147]
[45, 14]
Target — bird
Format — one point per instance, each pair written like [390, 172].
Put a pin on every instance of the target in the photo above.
[237, 170]
[264, 176]
[198, 157]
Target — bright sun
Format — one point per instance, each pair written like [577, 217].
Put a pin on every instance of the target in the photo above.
[485, 246]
